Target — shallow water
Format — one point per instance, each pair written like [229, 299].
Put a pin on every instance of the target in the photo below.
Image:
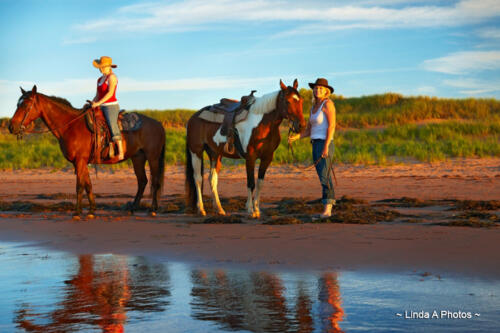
[49, 291]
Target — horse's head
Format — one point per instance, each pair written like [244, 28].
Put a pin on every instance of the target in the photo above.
[290, 106]
[26, 111]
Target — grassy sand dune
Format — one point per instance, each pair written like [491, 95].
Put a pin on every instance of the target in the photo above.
[378, 129]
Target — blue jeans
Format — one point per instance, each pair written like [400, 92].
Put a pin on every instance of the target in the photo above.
[111, 114]
[323, 168]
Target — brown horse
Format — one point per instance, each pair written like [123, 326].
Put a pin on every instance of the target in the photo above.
[259, 137]
[75, 139]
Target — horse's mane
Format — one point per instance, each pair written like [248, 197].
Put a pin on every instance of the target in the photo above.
[62, 101]
[265, 104]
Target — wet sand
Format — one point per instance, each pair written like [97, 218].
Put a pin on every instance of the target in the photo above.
[400, 244]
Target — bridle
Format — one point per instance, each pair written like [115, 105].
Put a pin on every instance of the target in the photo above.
[283, 104]
[21, 127]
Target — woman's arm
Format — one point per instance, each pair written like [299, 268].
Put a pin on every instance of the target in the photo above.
[111, 89]
[329, 111]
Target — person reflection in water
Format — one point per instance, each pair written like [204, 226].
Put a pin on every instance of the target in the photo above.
[331, 311]
[256, 302]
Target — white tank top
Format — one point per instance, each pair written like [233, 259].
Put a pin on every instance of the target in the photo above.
[319, 123]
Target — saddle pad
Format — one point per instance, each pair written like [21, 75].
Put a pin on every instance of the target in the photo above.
[218, 118]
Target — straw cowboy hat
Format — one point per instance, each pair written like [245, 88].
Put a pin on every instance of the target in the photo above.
[103, 62]
[321, 82]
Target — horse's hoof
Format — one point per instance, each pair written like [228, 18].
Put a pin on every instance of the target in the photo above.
[153, 214]
[221, 213]
[202, 213]
[76, 218]
[90, 216]
[256, 215]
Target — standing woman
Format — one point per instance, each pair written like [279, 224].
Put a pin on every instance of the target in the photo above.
[106, 99]
[321, 128]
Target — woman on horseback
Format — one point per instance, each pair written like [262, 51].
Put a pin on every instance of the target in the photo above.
[106, 99]
[320, 129]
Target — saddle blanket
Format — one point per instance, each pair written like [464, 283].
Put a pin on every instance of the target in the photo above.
[218, 118]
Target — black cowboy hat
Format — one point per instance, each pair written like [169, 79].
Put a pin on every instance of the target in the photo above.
[321, 82]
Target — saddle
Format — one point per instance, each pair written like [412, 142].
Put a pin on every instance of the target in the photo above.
[229, 112]
[101, 134]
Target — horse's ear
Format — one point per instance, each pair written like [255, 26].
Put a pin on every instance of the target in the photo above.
[283, 86]
[295, 84]
[33, 91]
[22, 90]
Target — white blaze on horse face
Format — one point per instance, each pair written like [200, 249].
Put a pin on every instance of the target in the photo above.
[295, 97]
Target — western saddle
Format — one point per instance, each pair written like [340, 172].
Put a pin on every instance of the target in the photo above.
[230, 108]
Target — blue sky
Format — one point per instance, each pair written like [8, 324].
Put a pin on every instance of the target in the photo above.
[188, 54]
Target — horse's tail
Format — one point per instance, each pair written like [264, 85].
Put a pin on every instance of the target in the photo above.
[190, 186]
[161, 170]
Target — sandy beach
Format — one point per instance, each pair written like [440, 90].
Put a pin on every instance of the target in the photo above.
[418, 239]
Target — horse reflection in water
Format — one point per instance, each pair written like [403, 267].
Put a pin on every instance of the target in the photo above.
[100, 294]
[258, 302]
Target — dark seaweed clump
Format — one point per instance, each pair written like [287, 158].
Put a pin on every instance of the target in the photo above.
[477, 204]
[222, 220]
[407, 202]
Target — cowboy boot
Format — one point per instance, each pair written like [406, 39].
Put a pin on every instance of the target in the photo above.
[111, 150]
[327, 212]
[121, 154]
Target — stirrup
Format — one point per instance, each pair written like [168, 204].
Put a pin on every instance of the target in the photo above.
[229, 148]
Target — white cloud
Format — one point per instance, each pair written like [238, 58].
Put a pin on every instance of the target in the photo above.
[198, 14]
[464, 62]
[470, 86]
[489, 33]
[78, 90]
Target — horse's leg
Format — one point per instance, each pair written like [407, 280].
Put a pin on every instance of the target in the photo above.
[198, 179]
[215, 165]
[250, 166]
[264, 164]
[139, 161]
[154, 167]
[82, 177]
[90, 195]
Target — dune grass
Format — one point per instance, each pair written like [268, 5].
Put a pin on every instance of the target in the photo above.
[378, 129]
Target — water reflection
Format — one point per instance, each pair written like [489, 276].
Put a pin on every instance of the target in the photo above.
[57, 292]
[257, 302]
[331, 312]
[100, 294]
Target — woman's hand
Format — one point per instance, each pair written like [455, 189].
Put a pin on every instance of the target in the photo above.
[293, 138]
[95, 105]
[324, 154]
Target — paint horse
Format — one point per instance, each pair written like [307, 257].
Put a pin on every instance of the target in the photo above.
[75, 140]
[259, 136]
